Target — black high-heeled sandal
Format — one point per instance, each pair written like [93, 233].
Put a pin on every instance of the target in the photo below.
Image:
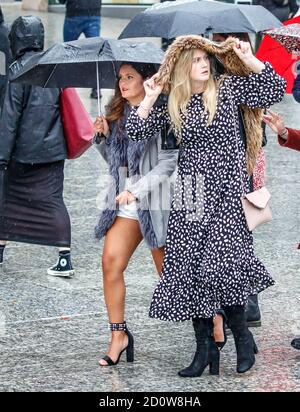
[221, 345]
[129, 348]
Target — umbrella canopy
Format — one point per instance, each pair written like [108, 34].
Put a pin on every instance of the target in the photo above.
[283, 62]
[172, 19]
[288, 37]
[92, 62]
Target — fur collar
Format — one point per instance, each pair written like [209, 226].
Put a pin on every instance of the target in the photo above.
[121, 151]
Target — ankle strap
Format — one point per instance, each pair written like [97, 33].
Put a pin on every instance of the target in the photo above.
[117, 326]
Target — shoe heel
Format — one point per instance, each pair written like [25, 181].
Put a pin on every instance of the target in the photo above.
[255, 348]
[130, 354]
[214, 366]
[130, 348]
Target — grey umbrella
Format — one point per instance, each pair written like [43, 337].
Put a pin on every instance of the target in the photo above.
[175, 18]
[88, 63]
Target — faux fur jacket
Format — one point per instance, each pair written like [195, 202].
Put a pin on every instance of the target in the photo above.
[233, 66]
[152, 169]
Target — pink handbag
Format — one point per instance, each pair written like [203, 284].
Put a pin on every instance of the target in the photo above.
[255, 204]
[256, 208]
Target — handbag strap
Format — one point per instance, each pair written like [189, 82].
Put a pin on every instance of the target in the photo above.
[236, 141]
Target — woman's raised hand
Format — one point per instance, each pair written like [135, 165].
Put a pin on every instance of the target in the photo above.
[275, 122]
[152, 89]
[243, 50]
[101, 126]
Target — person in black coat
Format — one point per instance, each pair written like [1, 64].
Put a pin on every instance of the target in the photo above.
[32, 155]
[82, 17]
[4, 57]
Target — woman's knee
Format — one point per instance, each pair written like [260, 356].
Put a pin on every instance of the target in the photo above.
[112, 266]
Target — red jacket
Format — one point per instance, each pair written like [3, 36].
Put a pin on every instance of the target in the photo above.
[293, 140]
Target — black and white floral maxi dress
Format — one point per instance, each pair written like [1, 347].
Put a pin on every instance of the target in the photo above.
[209, 257]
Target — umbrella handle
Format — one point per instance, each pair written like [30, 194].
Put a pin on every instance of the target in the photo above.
[98, 90]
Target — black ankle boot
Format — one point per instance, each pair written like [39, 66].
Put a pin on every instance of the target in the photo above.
[253, 316]
[243, 338]
[207, 352]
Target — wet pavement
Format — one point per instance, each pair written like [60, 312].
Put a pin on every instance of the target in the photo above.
[53, 331]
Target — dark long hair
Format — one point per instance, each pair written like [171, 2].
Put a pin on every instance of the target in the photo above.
[115, 108]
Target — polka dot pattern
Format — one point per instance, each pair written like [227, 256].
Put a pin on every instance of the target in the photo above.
[209, 259]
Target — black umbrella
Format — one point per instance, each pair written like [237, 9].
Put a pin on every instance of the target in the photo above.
[88, 63]
[172, 19]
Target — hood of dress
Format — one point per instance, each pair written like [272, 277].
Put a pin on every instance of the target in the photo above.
[224, 54]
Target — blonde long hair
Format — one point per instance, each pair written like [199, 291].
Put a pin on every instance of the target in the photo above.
[181, 91]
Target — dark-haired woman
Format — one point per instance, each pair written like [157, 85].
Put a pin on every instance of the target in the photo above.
[137, 203]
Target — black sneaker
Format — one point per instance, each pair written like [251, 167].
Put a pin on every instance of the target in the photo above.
[2, 247]
[296, 343]
[63, 267]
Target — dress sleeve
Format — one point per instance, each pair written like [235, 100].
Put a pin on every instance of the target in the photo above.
[138, 128]
[258, 90]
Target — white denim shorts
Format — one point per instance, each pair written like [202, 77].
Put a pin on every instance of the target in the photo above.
[128, 211]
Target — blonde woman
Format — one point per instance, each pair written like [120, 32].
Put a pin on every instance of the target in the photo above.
[209, 260]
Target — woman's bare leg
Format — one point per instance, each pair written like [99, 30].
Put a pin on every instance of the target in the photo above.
[158, 258]
[218, 328]
[121, 241]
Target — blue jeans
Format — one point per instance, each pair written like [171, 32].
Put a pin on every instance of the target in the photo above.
[74, 26]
